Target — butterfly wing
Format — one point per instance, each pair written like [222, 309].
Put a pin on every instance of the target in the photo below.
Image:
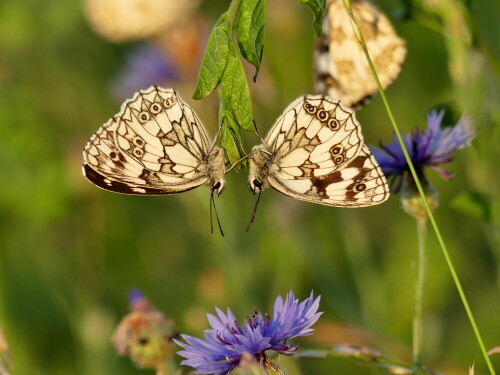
[319, 156]
[155, 145]
[341, 69]
[360, 183]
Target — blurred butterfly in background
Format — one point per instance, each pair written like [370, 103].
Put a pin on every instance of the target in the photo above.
[315, 153]
[340, 66]
[155, 145]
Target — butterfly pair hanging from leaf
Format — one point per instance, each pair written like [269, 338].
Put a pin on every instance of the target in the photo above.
[157, 145]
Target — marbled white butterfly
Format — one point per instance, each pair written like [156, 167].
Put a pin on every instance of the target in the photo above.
[315, 152]
[340, 66]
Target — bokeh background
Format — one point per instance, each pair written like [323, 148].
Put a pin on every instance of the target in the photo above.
[70, 252]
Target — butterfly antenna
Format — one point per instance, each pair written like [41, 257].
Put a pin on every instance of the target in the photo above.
[212, 203]
[254, 211]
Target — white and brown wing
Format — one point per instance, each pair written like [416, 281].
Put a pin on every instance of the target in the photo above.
[341, 69]
[155, 145]
[315, 152]
[359, 183]
[316, 135]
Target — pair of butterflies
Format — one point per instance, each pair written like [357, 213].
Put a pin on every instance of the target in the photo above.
[157, 145]
[314, 152]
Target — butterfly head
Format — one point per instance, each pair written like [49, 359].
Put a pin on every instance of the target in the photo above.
[255, 185]
[219, 186]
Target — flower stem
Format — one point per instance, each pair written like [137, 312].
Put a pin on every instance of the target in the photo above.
[449, 262]
[419, 293]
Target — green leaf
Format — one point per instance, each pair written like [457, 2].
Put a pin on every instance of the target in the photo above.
[473, 204]
[406, 10]
[250, 31]
[228, 139]
[214, 59]
[230, 133]
[318, 9]
[235, 90]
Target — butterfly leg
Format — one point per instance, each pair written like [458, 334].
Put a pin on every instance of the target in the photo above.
[239, 161]
[215, 138]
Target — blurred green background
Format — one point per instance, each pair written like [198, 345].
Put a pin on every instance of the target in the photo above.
[70, 252]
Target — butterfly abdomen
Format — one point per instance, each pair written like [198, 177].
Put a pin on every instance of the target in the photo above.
[259, 164]
[216, 170]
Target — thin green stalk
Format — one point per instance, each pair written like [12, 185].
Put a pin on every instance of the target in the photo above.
[359, 34]
[419, 293]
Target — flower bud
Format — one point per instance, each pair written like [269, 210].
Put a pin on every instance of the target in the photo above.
[412, 201]
[144, 334]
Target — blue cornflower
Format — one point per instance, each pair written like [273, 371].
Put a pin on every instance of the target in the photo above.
[431, 148]
[224, 345]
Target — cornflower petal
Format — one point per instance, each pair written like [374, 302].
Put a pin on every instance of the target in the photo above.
[457, 138]
[226, 342]
[434, 119]
[291, 319]
[429, 149]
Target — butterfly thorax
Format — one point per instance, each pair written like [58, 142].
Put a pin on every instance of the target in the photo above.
[216, 170]
[260, 164]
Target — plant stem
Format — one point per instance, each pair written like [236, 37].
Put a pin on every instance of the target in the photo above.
[419, 293]
[449, 262]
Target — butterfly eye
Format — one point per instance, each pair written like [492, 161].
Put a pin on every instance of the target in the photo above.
[360, 187]
[309, 108]
[139, 152]
[144, 116]
[138, 141]
[155, 108]
[333, 123]
[322, 115]
[145, 174]
[167, 103]
[114, 156]
[337, 150]
[257, 183]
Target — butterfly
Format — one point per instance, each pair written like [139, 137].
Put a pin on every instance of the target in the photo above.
[155, 145]
[126, 20]
[340, 66]
[315, 153]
